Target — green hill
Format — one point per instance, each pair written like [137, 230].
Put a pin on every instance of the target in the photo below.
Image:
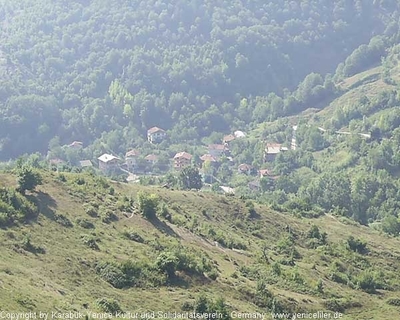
[88, 245]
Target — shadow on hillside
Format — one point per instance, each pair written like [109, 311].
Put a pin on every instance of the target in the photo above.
[46, 204]
[163, 227]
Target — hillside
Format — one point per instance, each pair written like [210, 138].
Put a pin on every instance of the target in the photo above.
[104, 73]
[73, 254]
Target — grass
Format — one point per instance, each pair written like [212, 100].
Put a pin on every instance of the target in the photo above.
[63, 277]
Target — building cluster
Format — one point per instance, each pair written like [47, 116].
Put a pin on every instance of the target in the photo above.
[135, 162]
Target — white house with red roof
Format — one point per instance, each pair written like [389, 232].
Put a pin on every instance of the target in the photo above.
[156, 135]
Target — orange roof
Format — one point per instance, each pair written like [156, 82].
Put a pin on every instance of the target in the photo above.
[154, 130]
[151, 157]
[208, 157]
[216, 146]
[184, 155]
[264, 172]
[229, 138]
[132, 153]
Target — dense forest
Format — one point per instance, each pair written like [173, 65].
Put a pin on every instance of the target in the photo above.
[104, 72]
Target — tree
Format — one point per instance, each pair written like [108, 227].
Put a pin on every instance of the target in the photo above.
[147, 204]
[391, 225]
[189, 178]
[27, 179]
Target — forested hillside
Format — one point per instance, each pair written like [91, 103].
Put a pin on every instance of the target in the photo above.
[104, 71]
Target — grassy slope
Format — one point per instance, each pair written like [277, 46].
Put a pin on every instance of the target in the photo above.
[63, 278]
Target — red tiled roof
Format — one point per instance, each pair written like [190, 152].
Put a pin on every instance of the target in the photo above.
[151, 157]
[229, 138]
[208, 157]
[184, 155]
[264, 172]
[154, 130]
[216, 147]
[132, 153]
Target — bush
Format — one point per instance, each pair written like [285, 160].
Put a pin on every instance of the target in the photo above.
[134, 236]
[393, 302]
[91, 210]
[109, 306]
[63, 220]
[27, 179]
[147, 205]
[90, 242]
[357, 245]
[113, 274]
[107, 216]
[27, 245]
[84, 223]
[16, 206]
[366, 281]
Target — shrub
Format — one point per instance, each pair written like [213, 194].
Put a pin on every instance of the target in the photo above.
[90, 242]
[113, 274]
[91, 210]
[107, 216]
[167, 262]
[27, 245]
[63, 220]
[134, 236]
[213, 274]
[27, 179]
[84, 223]
[147, 204]
[393, 302]
[366, 281]
[356, 245]
[109, 306]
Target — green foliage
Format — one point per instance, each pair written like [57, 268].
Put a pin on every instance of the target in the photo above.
[316, 237]
[147, 204]
[189, 178]
[367, 282]
[84, 223]
[108, 305]
[27, 179]
[357, 245]
[391, 225]
[90, 241]
[15, 207]
[134, 236]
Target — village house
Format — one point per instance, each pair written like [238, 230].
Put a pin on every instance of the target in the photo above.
[131, 159]
[85, 164]
[156, 135]
[229, 138]
[264, 173]
[239, 134]
[210, 158]
[182, 159]
[151, 159]
[76, 145]
[217, 150]
[245, 168]
[108, 163]
[272, 150]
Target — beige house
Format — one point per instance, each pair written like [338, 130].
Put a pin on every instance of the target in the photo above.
[131, 158]
[108, 163]
[217, 150]
[272, 150]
